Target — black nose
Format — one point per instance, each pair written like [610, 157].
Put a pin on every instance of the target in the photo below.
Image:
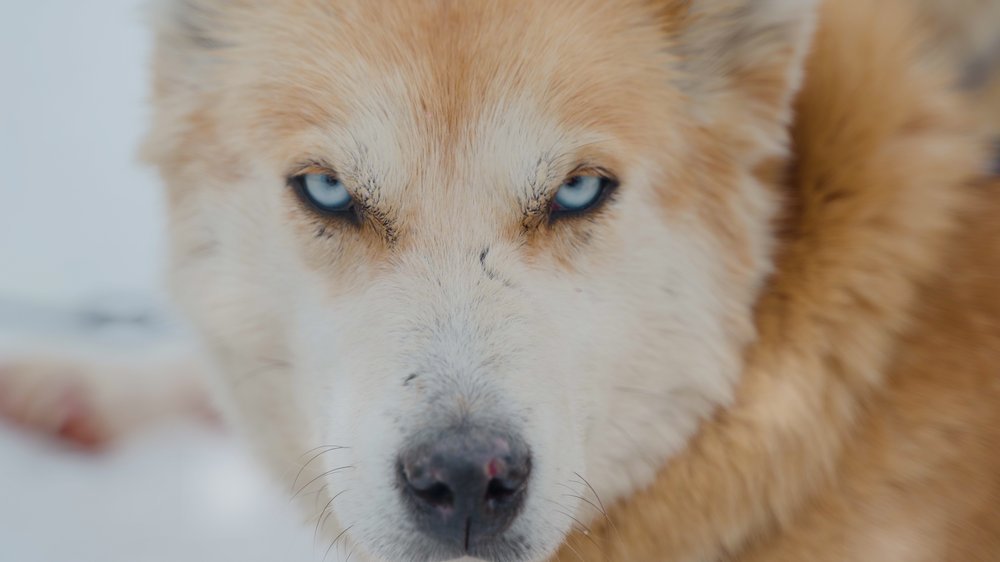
[465, 486]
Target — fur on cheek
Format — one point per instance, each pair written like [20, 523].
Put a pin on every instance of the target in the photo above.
[884, 159]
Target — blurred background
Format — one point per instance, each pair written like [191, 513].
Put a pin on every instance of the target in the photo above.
[81, 238]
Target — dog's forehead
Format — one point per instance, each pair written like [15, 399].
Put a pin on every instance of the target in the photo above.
[441, 84]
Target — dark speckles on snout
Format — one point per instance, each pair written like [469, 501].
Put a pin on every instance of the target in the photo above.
[491, 273]
[482, 261]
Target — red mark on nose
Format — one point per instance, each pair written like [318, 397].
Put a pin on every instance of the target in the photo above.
[493, 468]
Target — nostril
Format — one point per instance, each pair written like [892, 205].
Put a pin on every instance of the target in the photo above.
[438, 494]
[498, 491]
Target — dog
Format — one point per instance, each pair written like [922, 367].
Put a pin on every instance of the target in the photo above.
[631, 280]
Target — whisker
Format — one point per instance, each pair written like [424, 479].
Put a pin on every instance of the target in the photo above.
[323, 447]
[583, 528]
[583, 499]
[558, 555]
[592, 490]
[319, 491]
[564, 510]
[603, 510]
[325, 515]
[326, 449]
[573, 550]
[337, 538]
[327, 473]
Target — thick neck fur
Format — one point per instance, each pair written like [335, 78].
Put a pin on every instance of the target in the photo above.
[881, 166]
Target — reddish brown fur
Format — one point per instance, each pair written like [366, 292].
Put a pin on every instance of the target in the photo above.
[867, 425]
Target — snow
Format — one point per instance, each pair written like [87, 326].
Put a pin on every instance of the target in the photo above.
[78, 214]
[81, 225]
[177, 494]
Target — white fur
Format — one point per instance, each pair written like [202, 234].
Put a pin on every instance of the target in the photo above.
[567, 357]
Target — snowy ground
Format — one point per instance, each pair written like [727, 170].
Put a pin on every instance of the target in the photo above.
[79, 220]
[181, 493]
[176, 495]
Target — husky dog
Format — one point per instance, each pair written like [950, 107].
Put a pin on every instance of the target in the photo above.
[640, 280]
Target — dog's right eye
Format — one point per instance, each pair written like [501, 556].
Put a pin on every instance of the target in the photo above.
[325, 192]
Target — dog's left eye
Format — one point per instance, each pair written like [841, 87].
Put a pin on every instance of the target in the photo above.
[324, 191]
[580, 193]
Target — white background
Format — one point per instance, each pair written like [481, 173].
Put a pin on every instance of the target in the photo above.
[78, 219]
[77, 214]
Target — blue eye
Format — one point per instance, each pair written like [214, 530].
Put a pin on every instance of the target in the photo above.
[579, 193]
[325, 192]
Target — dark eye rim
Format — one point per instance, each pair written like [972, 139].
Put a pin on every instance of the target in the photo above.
[297, 182]
[609, 185]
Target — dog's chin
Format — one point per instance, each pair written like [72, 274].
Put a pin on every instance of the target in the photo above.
[498, 549]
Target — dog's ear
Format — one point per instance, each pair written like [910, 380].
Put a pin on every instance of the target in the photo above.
[190, 35]
[193, 24]
[740, 60]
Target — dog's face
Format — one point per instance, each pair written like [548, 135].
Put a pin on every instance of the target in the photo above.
[472, 263]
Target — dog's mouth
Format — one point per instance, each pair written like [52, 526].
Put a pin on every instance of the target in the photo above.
[495, 549]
